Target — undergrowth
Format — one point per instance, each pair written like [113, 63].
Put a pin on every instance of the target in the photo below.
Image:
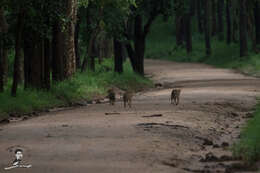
[82, 86]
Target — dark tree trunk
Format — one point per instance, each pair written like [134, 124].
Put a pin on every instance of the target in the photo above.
[207, 26]
[214, 17]
[243, 29]
[1, 66]
[257, 22]
[18, 50]
[179, 29]
[34, 60]
[57, 53]
[188, 35]
[140, 32]
[92, 33]
[234, 32]
[131, 55]
[37, 63]
[47, 64]
[76, 39]
[118, 59]
[90, 54]
[199, 16]
[3, 49]
[220, 19]
[228, 19]
[139, 43]
[27, 49]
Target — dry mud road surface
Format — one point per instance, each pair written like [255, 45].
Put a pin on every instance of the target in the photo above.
[151, 137]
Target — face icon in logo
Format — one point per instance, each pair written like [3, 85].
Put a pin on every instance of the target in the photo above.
[18, 156]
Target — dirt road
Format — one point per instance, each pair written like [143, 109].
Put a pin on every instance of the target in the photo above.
[151, 137]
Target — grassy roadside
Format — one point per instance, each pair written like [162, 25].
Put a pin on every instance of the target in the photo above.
[249, 145]
[83, 86]
[161, 45]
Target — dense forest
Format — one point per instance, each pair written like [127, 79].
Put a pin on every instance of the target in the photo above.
[51, 40]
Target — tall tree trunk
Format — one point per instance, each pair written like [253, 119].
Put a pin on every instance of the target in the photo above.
[1, 66]
[92, 34]
[27, 49]
[220, 19]
[228, 20]
[118, 59]
[18, 50]
[140, 32]
[76, 39]
[90, 54]
[34, 60]
[207, 26]
[70, 58]
[179, 29]
[188, 35]
[3, 50]
[131, 55]
[37, 63]
[214, 17]
[199, 16]
[47, 64]
[243, 29]
[234, 31]
[257, 22]
[139, 43]
[57, 52]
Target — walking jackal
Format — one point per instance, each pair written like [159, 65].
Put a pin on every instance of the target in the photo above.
[175, 96]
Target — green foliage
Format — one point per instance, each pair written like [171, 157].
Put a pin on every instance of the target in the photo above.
[26, 101]
[83, 86]
[248, 146]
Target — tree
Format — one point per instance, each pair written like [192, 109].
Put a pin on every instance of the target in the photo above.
[187, 19]
[148, 10]
[243, 29]
[220, 4]
[207, 26]
[228, 20]
[199, 16]
[70, 57]
[18, 49]
[3, 49]
[257, 21]
[214, 17]
[76, 40]
[118, 53]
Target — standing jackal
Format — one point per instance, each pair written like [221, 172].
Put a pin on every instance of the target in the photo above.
[127, 98]
[175, 96]
[111, 96]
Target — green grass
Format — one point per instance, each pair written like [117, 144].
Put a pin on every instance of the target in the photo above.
[161, 44]
[85, 86]
[249, 145]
